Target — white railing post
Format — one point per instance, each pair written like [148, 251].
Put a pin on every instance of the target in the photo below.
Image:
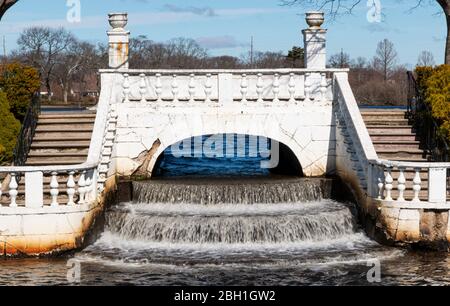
[244, 88]
[54, 189]
[126, 88]
[388, 180]
[417, 184]
[71, 188]
[208, 88]
[142, 87]
[260, 88]
[437, 185]
[225, 88]
[401, 181]
[291, 87]
[175, 89]
[13, 190]
[81, 187]
[191, 86]
[276, 87]
[158, 87]
[323, 87]
[307, 86]
[34, 189]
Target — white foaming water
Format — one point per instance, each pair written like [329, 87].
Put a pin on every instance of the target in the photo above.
[224, 229]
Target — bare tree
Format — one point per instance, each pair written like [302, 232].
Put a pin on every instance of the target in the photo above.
[426, 58]
[79, 57]
[5, 5]
[42, 48]
[385, 58]
[339, 60]
[335, 7]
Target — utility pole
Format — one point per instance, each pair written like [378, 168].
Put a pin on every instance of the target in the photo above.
[251, 52]
[4, 46]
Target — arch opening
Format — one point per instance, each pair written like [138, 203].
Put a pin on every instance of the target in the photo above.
[227, 155]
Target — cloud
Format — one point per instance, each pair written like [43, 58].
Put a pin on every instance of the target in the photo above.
[202, 11]
[220, 42]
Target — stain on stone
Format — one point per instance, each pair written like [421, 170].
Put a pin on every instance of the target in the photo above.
[144, 159]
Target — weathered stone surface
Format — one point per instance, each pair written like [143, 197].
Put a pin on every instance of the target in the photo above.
[434, 225]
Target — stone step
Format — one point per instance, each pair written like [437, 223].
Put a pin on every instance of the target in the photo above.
[66, 115]
[413, 144]
[43, 161]
[65, 121]
[65, 127]
[369, 115]
[59, 145]
[56, 138]
[47, 153]
[387, 129]
[62, 134]
[386, 121]
[376, 136]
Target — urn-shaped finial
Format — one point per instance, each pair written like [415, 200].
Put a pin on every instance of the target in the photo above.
[315, 19]
[118, 21]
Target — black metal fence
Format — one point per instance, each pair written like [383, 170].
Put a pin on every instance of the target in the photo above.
[426, 127]
[27, 131]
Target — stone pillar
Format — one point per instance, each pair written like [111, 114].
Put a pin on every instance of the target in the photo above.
[315, 41]
[118, 41]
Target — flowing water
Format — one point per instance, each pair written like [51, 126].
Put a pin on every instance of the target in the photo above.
[232, 231]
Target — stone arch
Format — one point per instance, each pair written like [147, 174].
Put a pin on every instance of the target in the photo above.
[179, 130]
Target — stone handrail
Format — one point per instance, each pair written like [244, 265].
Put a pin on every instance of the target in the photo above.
[438, 176]
[377, 172]
[354, 129]
[225, 85]
[91, 173]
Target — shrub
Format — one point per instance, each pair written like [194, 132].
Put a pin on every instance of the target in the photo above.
[19, 82]
[9, 129]
[437, 95]
[434, 85]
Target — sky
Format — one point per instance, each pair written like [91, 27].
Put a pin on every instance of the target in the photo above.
[225, 27]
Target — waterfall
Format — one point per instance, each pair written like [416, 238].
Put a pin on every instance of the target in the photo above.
[251, 191]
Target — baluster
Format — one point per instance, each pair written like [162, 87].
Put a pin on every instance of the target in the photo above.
[81, 187]
[71, 188]
[276, 87]
[13, 190]
[54, 189]
[417, 181]
[88, 189]
[208, 88]
[380, 188]
[307, 87]
[126, 88]
[158, 87]
[291, 87]
[192, 87]
[323, 87]
[175, 88]
[401, 184]
[260, 88]
[244, 88]
[142, 87]
[388, 185]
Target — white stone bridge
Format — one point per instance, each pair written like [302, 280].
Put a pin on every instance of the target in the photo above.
[311, 111]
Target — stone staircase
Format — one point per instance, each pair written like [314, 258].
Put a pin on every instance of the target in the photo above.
[394, 139]
[61, 138]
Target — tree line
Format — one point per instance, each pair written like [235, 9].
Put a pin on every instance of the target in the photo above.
[64, 62]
